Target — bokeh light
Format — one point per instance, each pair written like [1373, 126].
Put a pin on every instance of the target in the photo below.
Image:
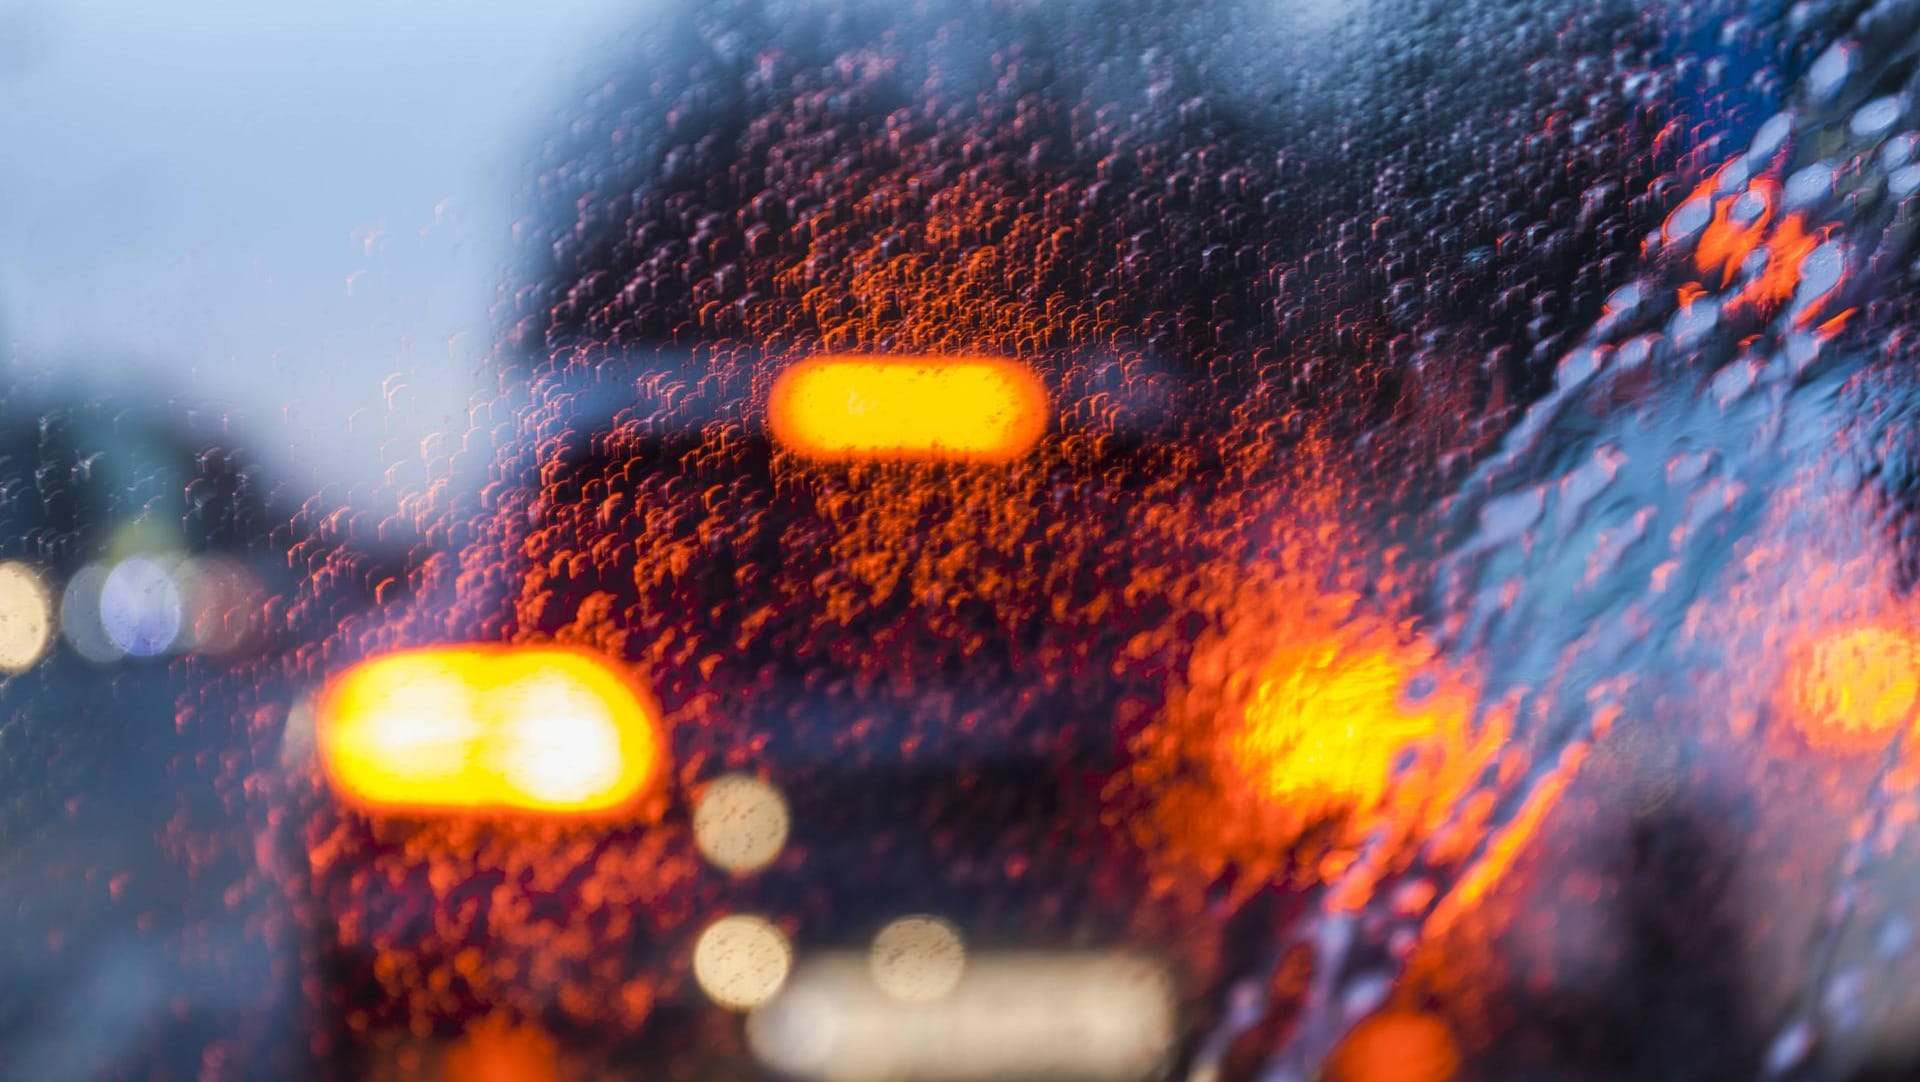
[560, 742]
[140, 607]
[1310, 717]
[497, 1051]
[740, 823]
[80, 614]
[973, 408]
[1853, 690]
[26, 617]
[1332, 719]
[1396, 1046]
[1324, 728]
[491, 729]
[917, 959]
[221, 603]
[740, 961]
[1092, 1016]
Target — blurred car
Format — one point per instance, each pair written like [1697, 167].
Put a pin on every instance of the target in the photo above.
[939, 666]
[935, 769]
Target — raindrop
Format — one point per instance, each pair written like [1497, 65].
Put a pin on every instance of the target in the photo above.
[1810, 185]
[1844, 1004]
[1790, 1049]
[1771, 137]
[1822, 270]
[1829, 73]
[1877, 116]
[1749, 207]
[1898, 150]
[1694, 322]
[1896, 935]
[1511, 516]
[1689, 220]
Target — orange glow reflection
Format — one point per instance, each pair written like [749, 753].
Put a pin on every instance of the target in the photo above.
[1307, 726]
[1326, 724]
[1726, 242]
[1347, 718]
[1786, 248]
[961, 408]
[496, 1052]
[1396, 1046]
[1853, 689]
[490, 729]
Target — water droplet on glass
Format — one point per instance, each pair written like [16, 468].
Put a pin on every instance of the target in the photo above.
[1877, 116]
[1829, 73]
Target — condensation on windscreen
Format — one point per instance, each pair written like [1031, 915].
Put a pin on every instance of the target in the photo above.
[1453, 621]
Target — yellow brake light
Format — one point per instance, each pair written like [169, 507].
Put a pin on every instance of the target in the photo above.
[955, 408]
[488, 729]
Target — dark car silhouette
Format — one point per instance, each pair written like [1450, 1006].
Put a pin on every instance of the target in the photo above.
[943, 665]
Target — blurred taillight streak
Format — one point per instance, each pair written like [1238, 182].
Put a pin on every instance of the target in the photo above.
[1092, 1016]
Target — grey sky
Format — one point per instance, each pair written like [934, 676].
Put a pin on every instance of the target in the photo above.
[274, 206]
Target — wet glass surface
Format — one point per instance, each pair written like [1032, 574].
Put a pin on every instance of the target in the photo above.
[963, 540]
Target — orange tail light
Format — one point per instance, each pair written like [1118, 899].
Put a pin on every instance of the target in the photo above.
[932, 408]
[488, 729]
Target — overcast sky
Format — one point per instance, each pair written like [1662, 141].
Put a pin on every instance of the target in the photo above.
[275, 206]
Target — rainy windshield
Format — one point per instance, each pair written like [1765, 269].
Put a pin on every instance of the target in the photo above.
[967, 539]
